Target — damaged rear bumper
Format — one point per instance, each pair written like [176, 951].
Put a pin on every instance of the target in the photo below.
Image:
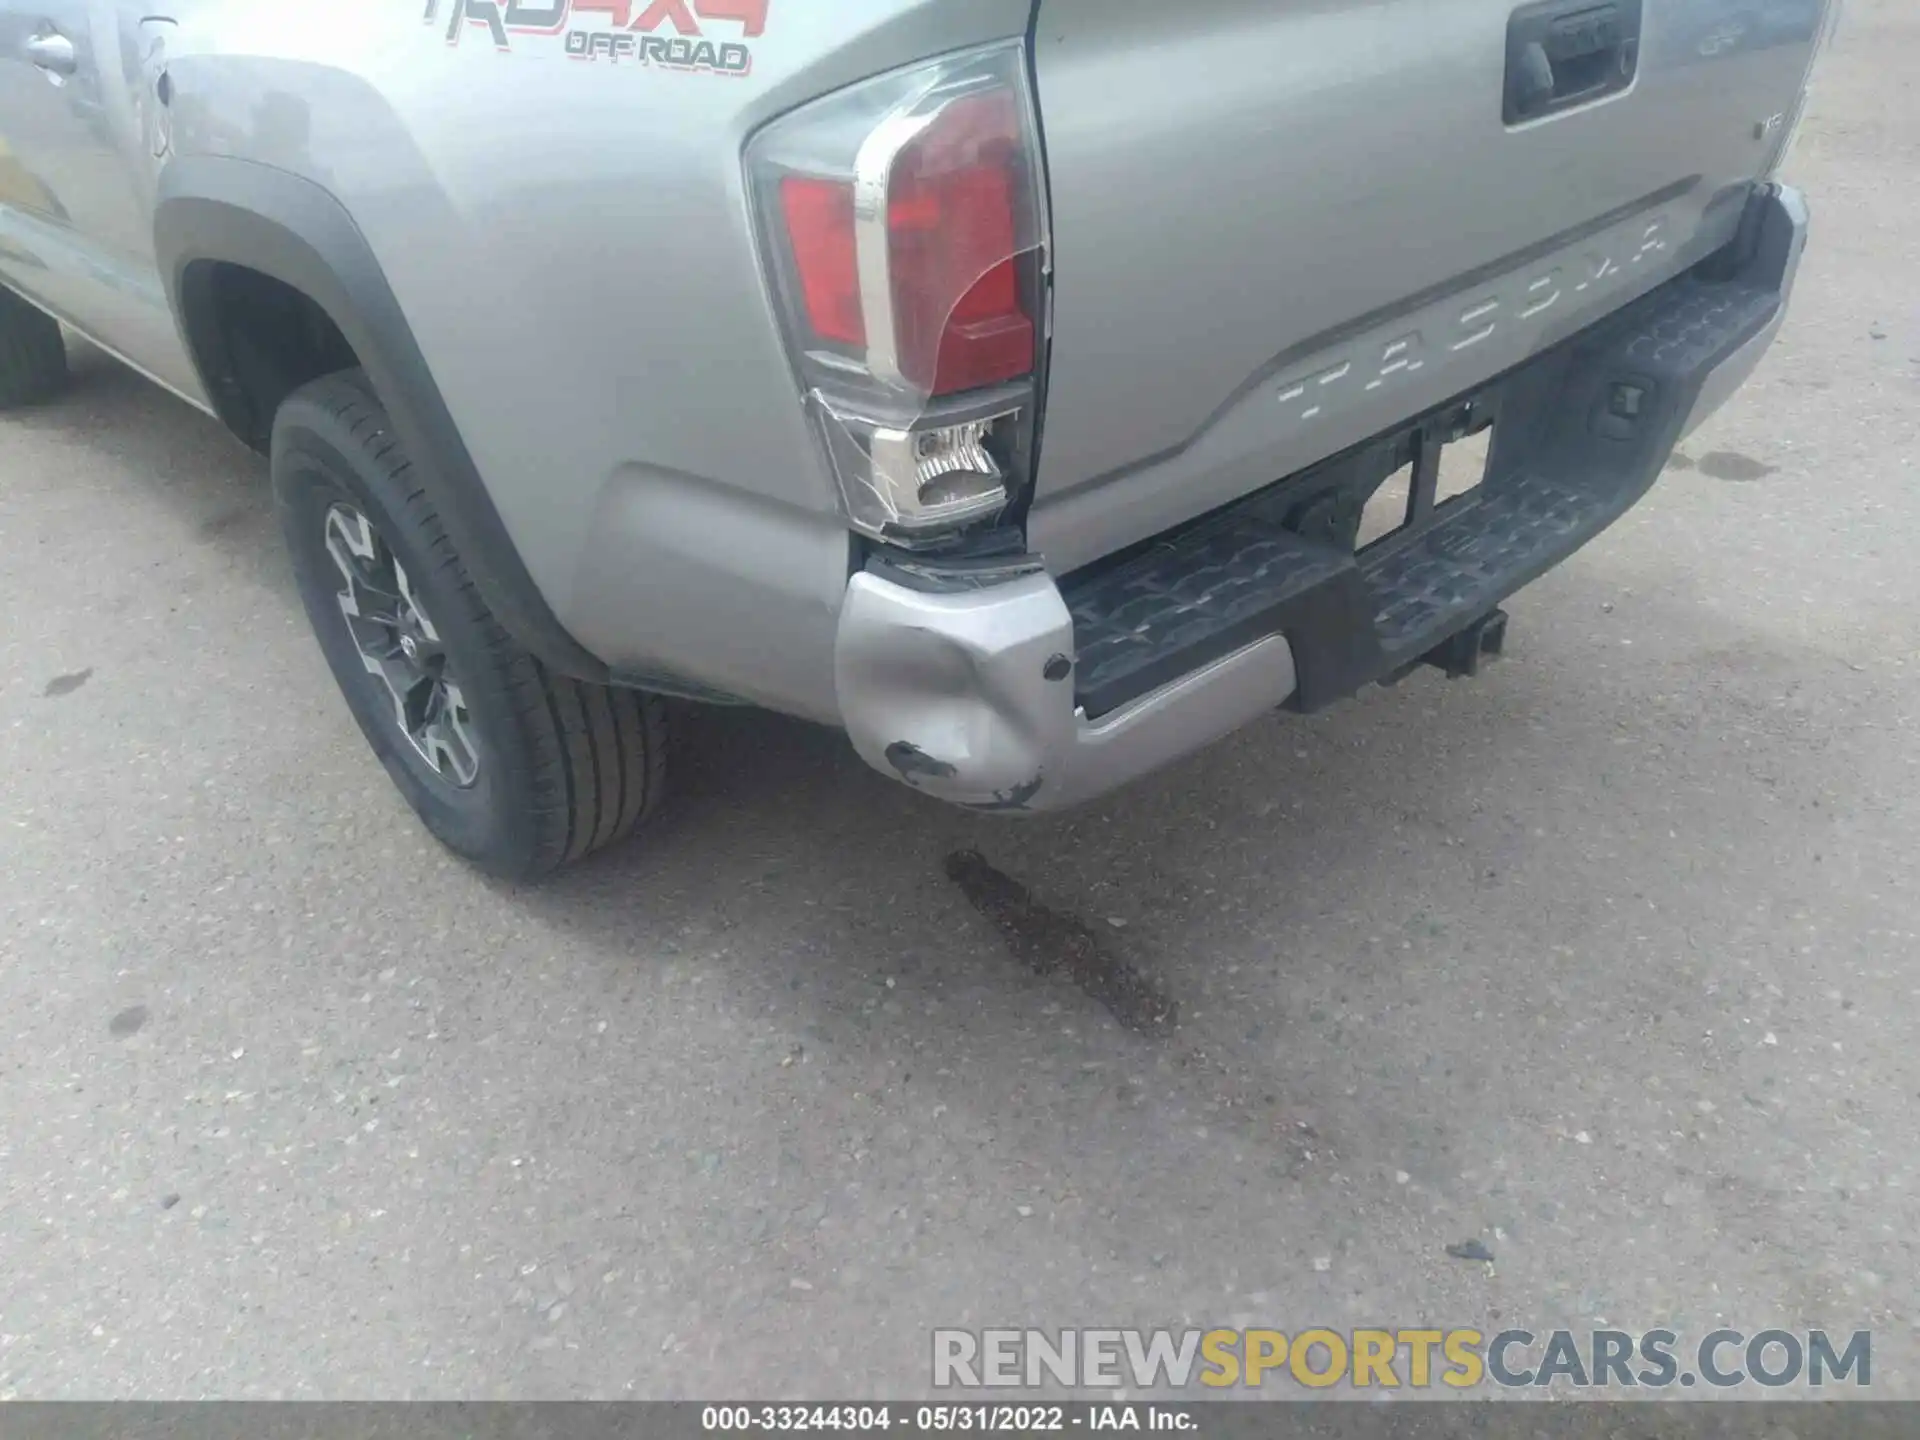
[1021, 692]
[971, 697]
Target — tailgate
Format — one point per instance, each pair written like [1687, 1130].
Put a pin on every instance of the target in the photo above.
[1283, 226]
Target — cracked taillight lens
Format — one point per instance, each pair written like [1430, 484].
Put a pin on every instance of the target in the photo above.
[903, 222]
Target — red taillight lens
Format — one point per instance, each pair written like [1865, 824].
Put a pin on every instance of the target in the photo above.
[957, 313]
[952, 252]
[819, 216]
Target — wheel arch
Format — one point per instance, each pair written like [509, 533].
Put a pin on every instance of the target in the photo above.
[215, 211]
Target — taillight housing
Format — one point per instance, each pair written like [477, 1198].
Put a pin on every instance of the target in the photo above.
[904, 225]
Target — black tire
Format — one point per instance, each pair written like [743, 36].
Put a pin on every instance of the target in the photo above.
[33, 356]
[563, 767]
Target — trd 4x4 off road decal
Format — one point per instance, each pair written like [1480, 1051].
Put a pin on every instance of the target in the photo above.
[630, 29]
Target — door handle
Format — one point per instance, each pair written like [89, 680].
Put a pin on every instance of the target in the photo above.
[1564, 53]
[53, 53]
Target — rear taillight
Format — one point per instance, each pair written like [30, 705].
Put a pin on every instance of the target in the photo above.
[903, 223]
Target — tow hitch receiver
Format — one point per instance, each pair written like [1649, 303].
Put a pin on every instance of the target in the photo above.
[1460, 655]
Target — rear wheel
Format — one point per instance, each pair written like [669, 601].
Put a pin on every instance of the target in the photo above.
[514, 767]
[33, 356]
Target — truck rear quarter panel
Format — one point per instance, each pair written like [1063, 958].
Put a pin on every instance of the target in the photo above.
[562, 218]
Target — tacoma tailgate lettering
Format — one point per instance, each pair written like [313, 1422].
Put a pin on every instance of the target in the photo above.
[1394, 353]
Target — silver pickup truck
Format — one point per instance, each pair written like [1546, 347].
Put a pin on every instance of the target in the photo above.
[1036, 390]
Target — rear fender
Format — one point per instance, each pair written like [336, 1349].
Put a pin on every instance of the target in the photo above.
[217, 208]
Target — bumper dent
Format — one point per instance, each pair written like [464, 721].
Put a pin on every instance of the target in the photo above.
[949, 693]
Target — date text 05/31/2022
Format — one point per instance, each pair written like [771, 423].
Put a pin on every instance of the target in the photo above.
[940, 1419]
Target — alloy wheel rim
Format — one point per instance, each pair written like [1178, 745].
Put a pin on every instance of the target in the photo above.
[400, 647]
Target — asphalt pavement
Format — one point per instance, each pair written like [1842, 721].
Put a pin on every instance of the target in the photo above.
[1605, 961]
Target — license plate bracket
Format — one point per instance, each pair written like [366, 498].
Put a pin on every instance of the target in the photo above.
[1393, 491]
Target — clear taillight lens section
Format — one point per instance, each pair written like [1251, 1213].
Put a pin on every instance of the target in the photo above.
[904, 226]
